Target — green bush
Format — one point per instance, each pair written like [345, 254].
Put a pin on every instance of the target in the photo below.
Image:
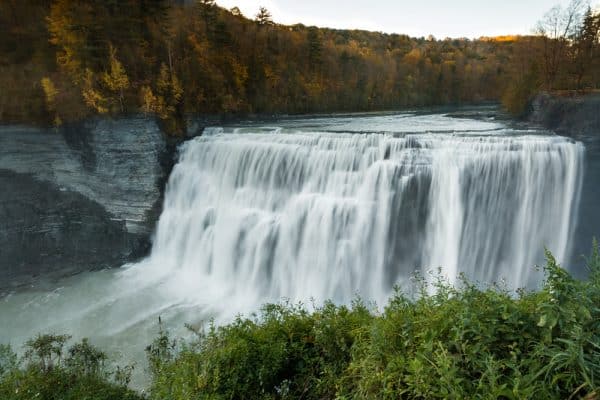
[46, 373]
[464, 342]
[287, 352]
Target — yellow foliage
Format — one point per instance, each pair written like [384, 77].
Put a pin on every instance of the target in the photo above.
[314, 89]
[117, 79]
[501, 39]
[68, 40]
[413, 56]
[149, 100]
[50, 92]
[170, 93]
[93, 98]
[240, 73]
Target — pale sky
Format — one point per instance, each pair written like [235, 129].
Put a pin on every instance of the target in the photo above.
[441, 18]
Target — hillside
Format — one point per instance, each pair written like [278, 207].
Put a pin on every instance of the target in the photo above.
[64, 60]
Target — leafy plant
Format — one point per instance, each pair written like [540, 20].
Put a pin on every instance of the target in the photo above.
[459, 342]
[45, 374]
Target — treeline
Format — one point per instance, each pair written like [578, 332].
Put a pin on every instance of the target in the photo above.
[63, 60]
[459, 343]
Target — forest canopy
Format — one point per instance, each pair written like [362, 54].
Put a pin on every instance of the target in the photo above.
[64, 60]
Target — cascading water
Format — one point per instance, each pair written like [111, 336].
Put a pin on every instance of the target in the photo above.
[254, 217]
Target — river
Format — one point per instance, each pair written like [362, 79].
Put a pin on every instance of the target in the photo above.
[312, 209]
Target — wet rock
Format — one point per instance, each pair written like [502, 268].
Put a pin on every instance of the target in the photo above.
[567, 115]
[84, 197]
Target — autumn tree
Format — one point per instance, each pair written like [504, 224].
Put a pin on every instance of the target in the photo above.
[168, 102]
[556, 28]
[69, 41]
[236, 12]
[50, 93]
[92, 93]
[115, 78]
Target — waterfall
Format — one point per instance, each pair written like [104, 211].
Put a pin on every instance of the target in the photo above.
[257, 215]
[323, 208]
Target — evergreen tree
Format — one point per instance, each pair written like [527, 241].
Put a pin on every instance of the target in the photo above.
[585, 47]
[315, 48]
[264, 17]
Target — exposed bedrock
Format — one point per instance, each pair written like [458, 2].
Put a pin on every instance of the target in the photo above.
[80, 198]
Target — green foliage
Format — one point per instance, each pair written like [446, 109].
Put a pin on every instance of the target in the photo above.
[285, 353]
[8, 360]
[47, 373]
[458, 343]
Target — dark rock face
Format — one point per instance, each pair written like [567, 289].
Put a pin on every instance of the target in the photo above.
[567, 115]
[82, 198]
[49, 231]
[579, 118]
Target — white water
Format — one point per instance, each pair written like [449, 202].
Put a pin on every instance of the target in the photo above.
[316, 209]
[251, 218]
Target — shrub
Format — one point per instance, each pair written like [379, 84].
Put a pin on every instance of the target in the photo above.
[44, 373]
[461, 342]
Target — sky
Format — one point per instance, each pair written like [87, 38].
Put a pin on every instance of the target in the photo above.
[441, 18]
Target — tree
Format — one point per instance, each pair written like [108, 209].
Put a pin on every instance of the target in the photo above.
[315, 47]
[91, 94]
[586, 46]
[208, 11]
[264, 17]
[50, 92]
[149, 102]
[69, 41]
[168, 103]
[556, 28]
[116, 80]
[236, 11]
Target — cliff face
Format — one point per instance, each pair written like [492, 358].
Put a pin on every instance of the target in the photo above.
[578, 115]
[579, 118]
[82, 198]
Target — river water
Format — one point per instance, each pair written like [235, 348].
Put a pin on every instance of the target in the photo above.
[326, 208]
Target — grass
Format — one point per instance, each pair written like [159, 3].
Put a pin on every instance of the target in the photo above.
[460, 342]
